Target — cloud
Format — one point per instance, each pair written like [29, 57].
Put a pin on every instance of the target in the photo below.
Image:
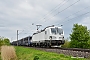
[20, 14]
[86, 22]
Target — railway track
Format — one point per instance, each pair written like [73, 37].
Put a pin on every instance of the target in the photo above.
[74, 52]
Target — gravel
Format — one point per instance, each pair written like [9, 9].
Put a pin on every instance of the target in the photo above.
[79, 54]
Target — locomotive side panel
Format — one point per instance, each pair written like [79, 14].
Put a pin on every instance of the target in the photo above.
[47, 34]
[39, 37]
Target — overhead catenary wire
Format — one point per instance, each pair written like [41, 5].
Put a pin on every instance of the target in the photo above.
[73, 14]
[61, 10]
[76, 17]
[57, 9]
[64, 9]
[53, 10]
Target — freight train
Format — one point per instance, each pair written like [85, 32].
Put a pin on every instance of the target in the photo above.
[49, 36]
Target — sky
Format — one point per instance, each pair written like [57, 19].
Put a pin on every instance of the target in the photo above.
[24, 15]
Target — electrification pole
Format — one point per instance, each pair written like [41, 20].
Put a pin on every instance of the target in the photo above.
[17, 37]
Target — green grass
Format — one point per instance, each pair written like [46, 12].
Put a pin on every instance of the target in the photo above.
[30, 54]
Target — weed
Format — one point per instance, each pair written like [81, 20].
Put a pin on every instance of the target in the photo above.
[8, 53]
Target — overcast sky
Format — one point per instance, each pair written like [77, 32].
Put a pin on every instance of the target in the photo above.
[21, 14]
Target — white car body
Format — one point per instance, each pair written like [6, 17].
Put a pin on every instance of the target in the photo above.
[48, 34]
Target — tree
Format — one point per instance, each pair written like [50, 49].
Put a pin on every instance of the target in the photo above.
[1, 41]
[66, 44]
[89, 39]
[79, 37]
[4, 41]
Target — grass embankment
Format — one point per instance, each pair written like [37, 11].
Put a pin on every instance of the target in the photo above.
[30, 53]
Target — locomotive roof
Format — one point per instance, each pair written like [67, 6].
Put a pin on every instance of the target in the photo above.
[43, 29]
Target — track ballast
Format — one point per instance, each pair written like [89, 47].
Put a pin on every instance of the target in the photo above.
[74, 52]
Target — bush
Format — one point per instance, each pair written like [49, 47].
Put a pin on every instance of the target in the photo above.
[79, 37]
[4, 41]
[1, 41]
[66, 44]
[8, 53]
[89, 43]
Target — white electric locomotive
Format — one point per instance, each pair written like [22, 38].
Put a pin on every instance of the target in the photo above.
[50, 36]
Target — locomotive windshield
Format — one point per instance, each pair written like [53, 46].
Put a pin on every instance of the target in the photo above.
[53, 30]
[60, 31]
[56, 31]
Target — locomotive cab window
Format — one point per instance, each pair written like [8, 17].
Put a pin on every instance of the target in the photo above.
[56, 31]
[60, 31]
[53, 30]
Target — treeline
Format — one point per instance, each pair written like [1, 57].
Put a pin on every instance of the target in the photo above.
[4, 41]
[79, 38]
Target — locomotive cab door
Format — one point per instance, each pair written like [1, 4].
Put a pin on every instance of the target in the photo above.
[45, 35]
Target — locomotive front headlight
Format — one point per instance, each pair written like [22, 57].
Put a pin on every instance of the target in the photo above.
[63, 38]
